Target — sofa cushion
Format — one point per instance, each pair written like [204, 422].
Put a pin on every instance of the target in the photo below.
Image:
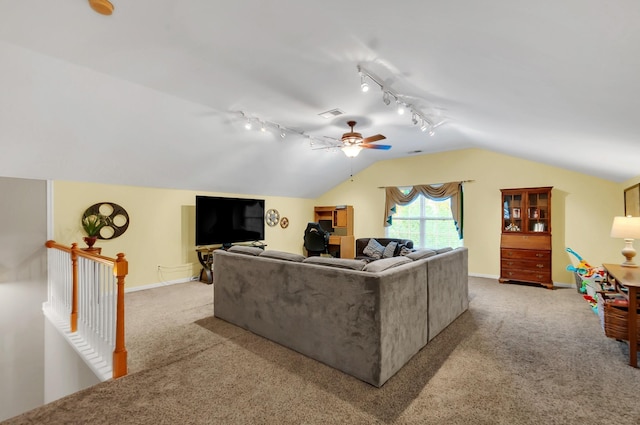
[385, 263]
[421, 253]
[341, 263]
[390, 250]
[373, 249]
[249, 250]
[446, 249]
[281, 255]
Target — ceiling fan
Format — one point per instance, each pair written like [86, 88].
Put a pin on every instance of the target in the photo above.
[353, 143]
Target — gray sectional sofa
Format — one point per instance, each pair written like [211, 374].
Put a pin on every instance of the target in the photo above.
[365, 319]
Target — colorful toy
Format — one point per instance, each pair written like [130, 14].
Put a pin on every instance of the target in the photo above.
[591, 277]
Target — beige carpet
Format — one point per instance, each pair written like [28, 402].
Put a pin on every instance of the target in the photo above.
[520, 355]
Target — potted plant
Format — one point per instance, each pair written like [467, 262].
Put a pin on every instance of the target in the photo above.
[92, 224]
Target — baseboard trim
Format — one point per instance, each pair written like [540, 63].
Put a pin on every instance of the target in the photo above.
[159, 284]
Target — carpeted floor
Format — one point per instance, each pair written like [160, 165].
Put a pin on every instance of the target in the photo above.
[520, 355]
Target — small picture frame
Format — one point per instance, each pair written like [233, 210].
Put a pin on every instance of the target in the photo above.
[632, 201]
[516, 213]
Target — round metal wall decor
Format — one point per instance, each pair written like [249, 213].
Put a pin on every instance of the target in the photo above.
[116, 216]
[272, 217]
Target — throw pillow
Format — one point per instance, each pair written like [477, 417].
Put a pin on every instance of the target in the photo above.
[389, 250]
[404, 250]
[373, 249]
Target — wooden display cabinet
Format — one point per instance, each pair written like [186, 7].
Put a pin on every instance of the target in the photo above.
[525, 243]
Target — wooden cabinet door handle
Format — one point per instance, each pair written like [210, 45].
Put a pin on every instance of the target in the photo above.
[540, 266]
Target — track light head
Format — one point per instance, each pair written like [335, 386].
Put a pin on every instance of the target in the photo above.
[431, 131]
[386, 98]
[282, 132]
[248, 124]
[263, 128]
[364, 86]
[400, 107]
[414, 118]
[423, 126]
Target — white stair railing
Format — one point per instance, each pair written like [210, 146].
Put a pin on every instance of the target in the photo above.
[86, 299]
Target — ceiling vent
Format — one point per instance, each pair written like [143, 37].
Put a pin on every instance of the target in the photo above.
[332, 113]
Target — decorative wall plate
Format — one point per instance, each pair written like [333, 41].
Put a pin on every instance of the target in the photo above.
[117, 219]
[272, 217]
[284, 223]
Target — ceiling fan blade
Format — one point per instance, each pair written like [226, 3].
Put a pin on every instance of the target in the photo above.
[382, 147]
[372, 139]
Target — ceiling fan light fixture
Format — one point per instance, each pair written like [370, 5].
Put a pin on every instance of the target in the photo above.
[351, 151]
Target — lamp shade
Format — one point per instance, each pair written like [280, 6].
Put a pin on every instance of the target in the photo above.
[351, 150]
[626, 227]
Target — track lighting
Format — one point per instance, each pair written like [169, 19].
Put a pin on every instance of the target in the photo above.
[386, 98]
[364, 86]
[248, 125]
[263, 128]
[282, 132]
[417, 116]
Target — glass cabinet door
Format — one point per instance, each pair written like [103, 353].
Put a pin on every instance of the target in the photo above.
[538, 212]
[513, 214]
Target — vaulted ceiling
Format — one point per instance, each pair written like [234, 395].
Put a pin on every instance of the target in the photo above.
[154, 94]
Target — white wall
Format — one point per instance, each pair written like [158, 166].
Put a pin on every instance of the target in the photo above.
[23, 289]
[65, 372]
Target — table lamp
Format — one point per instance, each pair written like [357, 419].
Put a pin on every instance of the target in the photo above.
[627, 228]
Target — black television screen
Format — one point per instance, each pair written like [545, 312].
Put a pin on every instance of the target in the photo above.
[227, 220]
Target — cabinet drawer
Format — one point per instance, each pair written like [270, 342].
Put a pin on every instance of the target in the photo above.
[527, 276]
[534, 266]
[525, 254]
[541, 242]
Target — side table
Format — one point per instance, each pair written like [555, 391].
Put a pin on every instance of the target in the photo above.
[205, 257]
[628, 277]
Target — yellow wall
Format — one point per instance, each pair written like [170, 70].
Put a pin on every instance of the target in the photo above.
[159, 242]
[161, 231]
[583, 207]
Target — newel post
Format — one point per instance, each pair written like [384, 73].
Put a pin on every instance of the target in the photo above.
[120, 270]
[74, 287]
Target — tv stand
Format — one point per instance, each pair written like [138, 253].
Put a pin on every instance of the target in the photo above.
[205, 257]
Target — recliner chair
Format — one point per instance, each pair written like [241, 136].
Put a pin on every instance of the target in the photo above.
[316, 240]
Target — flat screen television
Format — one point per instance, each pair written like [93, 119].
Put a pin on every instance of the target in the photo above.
[225, 221]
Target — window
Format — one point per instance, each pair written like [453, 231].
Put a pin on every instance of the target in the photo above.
[428, 223]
